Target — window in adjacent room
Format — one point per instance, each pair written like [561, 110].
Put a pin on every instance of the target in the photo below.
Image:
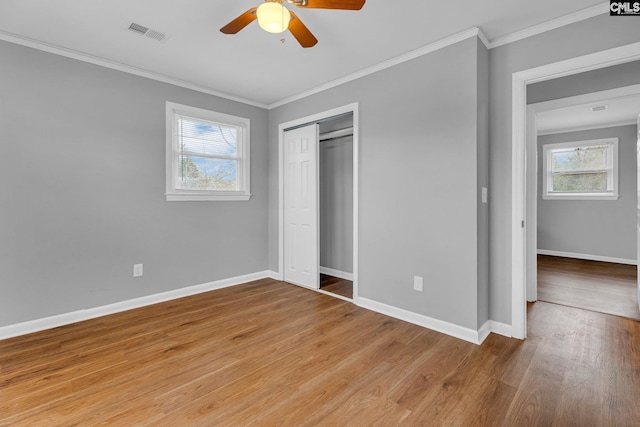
[207, 155]
[581, 170]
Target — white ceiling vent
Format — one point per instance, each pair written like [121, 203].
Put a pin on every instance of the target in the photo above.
[146, 31]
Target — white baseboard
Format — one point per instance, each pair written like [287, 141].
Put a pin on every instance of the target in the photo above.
[91, 313]
[500, 328]
[587, 257]
[336, 273]
[273, 275]
[484, 331]
[476, 337]
[467, 334]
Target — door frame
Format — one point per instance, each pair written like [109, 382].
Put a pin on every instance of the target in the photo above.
[520, 245]
[350, 108]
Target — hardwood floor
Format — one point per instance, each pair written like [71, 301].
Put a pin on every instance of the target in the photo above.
[267, 353]
[336, 285]
[592, 285]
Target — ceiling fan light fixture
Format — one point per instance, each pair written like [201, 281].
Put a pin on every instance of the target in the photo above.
[273, 17]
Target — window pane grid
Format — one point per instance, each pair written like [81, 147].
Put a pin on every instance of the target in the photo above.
[581, 168]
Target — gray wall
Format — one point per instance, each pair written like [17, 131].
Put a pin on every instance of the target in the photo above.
[418, 181]
[579, 84]
[593, 227]
[483, 181]
[336, 204]
[591, 35]
[83, 168]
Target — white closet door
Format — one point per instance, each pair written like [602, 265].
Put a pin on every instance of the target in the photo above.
[301, 206]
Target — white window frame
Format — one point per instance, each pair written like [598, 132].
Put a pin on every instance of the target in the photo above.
[175, 194]
[611, 169]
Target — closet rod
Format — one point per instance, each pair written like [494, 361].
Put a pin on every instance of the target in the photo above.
[336, 134]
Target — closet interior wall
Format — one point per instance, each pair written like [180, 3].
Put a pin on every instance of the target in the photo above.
[336, 197]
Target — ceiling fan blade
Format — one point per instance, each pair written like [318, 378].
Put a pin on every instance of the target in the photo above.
[240, 22]
[332, 4]
[301, 32]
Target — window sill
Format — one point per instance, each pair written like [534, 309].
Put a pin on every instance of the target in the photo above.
[580, 196]
[199, 197]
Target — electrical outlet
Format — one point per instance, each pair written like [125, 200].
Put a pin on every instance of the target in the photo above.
[137, 270]
[417, 283]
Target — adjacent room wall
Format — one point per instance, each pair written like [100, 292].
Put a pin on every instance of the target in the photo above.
[604, 228]
[418, 181]
[581, 38]
[336, 204]
[83, 170]
[620, 75]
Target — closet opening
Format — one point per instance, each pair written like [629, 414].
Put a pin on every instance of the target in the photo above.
[318, 202]
[335, 173]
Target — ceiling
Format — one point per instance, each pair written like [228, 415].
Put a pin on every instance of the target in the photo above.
[255, 66]
[610, 112]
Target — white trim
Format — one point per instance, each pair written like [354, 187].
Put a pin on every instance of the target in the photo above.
[519, 246]
[571, 18]
[37, 325]
[432, 47]
[243, 157]
[91, 59]
[350, 108]
[581, 196]
[531, 214]
[447, 328]
[484, 331]
[483, 38]
[336, 273]
[273, 275]
[198, 197]
[500, 328]
[587, 257]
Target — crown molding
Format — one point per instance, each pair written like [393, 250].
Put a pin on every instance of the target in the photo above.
[571, 18]
[483, 38]
[91, 59]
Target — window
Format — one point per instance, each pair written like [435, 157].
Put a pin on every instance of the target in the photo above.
[581, 170]
[207, 155]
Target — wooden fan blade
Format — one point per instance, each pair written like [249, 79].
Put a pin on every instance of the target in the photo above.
[301, 32]
[333, 4]
[240, 22]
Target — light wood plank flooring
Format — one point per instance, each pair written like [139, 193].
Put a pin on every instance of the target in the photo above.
[593, 285]
[267, 353]
[336, 285]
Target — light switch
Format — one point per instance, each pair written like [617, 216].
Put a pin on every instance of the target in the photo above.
[484, 194]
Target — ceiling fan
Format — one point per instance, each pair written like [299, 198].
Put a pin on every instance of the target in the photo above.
[273, 17]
